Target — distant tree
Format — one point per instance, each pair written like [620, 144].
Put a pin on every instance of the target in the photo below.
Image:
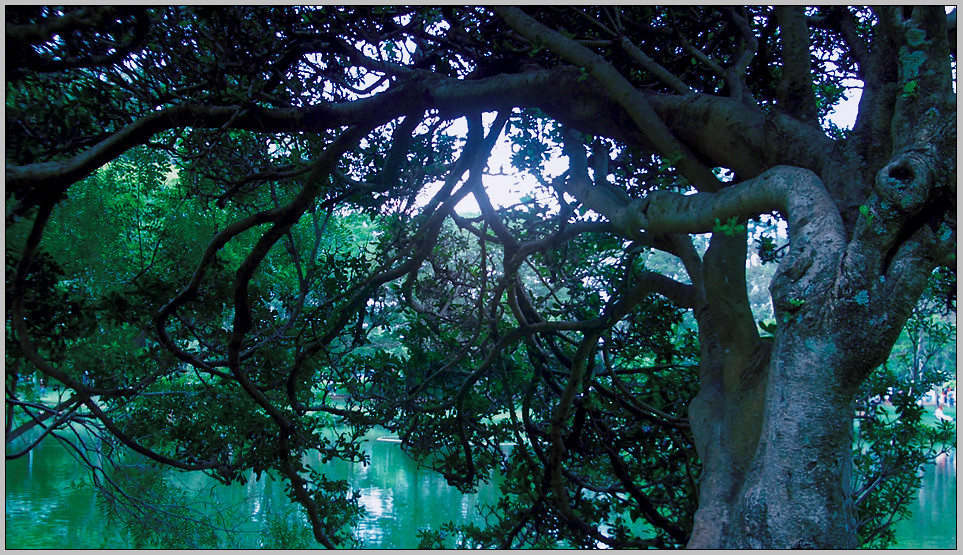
[895, 439]
[217, 216]
[929, 334]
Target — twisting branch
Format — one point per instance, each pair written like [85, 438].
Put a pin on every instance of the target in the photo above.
[62, 418]
[796, 191]
[48, 412]
[628, 97]
[554, 471]
[285, 218]
[437, 209]
[600, 196]
[736, 76]
[642, 501]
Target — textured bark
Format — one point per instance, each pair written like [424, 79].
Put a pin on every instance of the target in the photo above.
[797, 493]
[869, 218]
[725, 413]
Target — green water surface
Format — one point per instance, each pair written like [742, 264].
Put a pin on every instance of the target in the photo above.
[49, 506]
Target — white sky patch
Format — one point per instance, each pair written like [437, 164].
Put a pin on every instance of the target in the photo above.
[844, 112]
[507, 186]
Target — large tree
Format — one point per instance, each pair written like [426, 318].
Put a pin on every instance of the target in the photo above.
[545, 323]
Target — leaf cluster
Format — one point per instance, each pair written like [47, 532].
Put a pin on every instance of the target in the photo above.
[250, 250]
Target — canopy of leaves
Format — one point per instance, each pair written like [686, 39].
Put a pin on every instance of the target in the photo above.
[230, 253]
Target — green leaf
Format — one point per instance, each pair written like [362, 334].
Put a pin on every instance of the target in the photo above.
[730, 228]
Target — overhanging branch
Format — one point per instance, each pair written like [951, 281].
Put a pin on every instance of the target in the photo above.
[628, 97]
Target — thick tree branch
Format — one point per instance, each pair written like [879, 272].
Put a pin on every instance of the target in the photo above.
[872, 131]
[725, 132]
[796, 191]
[724, 276]
[748, 149]
[816, 232]
[857, 46]
[795, 91]
[627, 96]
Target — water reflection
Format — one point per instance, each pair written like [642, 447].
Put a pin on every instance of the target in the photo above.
[401, 498]
[43, 510]
[933, 524]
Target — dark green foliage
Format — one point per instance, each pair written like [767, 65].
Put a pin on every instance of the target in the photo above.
[47, 301]
[895, 439]
[894, 442]
[268, 263]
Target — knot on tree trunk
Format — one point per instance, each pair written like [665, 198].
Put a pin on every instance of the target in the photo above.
[906, 182]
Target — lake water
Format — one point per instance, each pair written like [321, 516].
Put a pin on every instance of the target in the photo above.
[933, 525]
[44, 509]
